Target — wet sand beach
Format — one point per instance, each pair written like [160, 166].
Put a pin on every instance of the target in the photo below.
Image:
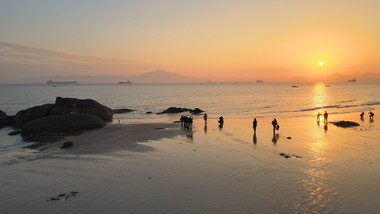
[161, 168]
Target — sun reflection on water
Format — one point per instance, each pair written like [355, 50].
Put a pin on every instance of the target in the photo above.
[317, 173]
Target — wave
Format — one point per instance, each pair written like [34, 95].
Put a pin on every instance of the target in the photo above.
[339, 106]
[347, 101]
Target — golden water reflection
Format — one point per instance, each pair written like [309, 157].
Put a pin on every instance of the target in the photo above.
[317, 171]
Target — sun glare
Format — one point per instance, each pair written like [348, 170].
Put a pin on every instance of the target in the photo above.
[320, 63]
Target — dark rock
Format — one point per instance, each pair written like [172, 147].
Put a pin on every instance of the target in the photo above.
[196, 111]
[282, 154]
[121, 111]
[14, 132]
[286, 156]
[149, 112]
[173, 110]
[62, 124]
[3, 115]
[27, 115]
[345, 124]
[67, 144]
[87, 106]
[289, 138]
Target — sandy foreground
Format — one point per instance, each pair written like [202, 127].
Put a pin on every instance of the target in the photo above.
[161, 168]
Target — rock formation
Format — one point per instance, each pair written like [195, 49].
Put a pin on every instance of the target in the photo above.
[62, 124]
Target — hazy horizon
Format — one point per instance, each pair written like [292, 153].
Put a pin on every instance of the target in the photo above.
[221, 41]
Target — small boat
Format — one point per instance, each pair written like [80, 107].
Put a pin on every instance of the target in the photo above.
[259, 81]
[327, 86]
[352, 80]
[294, 86]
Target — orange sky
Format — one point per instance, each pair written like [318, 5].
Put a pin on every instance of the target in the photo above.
[214, 40]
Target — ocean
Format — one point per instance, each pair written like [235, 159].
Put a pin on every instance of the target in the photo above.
[234, 100]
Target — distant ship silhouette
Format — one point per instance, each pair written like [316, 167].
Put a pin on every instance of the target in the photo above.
[51, 82]
[128, 82]
[259, 81]
[352, 80]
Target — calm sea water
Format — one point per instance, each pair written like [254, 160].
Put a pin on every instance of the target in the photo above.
[232, 100]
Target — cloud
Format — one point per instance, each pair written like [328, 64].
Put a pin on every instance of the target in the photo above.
[19, 61]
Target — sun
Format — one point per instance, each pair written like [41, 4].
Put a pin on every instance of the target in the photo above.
[320, 63]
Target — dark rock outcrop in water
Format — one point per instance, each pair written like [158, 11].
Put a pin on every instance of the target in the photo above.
[27, 115]
[345, 124]
[121, 111]
[174, 110]
[63, 106]
[62, 124]
[87, 106]
[3, 119]
[3, 115]
[196, 111]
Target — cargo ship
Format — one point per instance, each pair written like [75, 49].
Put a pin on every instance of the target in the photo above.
[51, 82]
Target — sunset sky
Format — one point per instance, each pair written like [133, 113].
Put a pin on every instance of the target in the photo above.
[215, 40]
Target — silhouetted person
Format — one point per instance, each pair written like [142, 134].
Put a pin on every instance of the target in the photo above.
[274, 124]
[371, 114]
[182, 119]
[254, 138]
[319, 117]
[362, 115]
[254, 125]
[325, 116]
[205, 118]
[221, 120]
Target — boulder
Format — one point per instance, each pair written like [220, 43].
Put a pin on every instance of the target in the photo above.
[345, 124]
[27, 115]
[62, 124]
[67, 144]
[3, 115]
[196, 111]
[121, 111]
[87, 106]
[174, 110]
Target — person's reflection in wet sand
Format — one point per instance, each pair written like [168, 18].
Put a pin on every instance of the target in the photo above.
[205, 128]
[325, 127]
[275, 138]
[254, 138]
[220, 126]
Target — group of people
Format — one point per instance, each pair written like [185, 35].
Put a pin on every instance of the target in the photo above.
[325, 116]
[186, 122]
[370, 113]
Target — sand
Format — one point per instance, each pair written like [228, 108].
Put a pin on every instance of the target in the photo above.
[161, 168]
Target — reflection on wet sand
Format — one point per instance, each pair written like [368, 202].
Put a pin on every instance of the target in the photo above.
[275, 138]
[254, 138]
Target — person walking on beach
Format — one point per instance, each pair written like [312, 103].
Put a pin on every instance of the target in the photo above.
[274, 124]
[205, 118]
[325, 115]
[182, 120]
[362, 115]
[371, 114]
[318, 117]
[254, 124]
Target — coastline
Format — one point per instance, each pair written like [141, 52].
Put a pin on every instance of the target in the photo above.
[160, 167]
